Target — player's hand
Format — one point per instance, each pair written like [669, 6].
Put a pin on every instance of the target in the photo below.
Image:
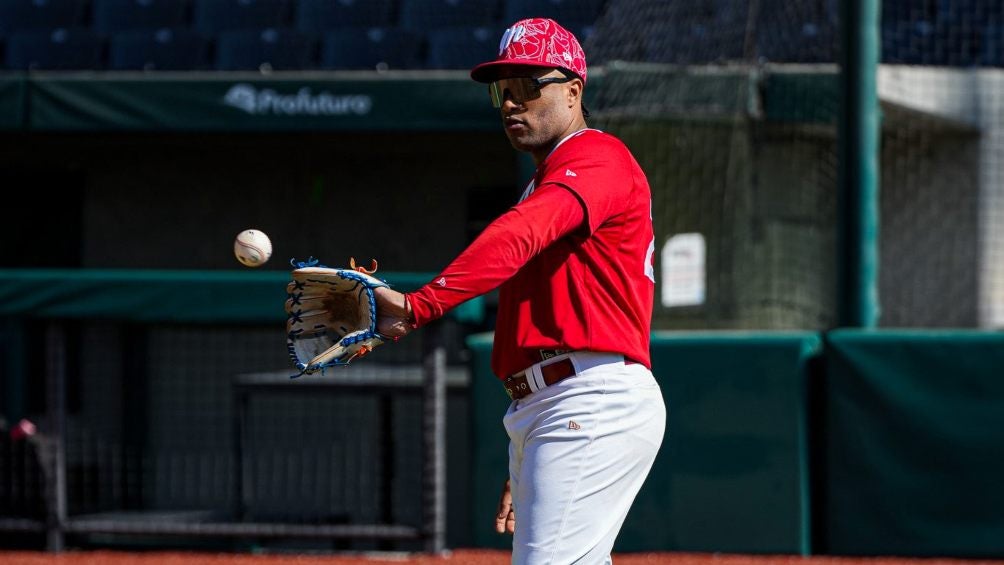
[505, 518]
[393, 313]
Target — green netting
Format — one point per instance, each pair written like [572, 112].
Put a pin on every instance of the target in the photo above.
[732, 107]
[757, 188]
[942, 245]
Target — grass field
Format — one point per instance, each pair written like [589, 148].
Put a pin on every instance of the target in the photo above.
[459, 557]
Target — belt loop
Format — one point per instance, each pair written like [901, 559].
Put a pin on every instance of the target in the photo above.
[534, 378]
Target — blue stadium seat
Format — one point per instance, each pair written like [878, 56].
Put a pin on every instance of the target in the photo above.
[804, 42]
[460, 48]
[39, 15]
[319, 16]
[112, 16]
[993, 45]
[568, 13]
[375, 48]
[272, 49]
[796, 31]
[895, 11]
[975, 12]
[423, 15]
[616, 34]
[924, 43]
[694, 42]
[584, 33]
[213, 16]
[158, 50]
[732, 11]
[669, 31]
[58, 49]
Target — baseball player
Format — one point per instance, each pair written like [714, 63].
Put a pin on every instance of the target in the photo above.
[573, 264]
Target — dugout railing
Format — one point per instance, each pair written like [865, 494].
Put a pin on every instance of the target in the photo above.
[43, 495]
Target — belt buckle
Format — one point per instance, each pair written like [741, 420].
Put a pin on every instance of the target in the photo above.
[513, 388]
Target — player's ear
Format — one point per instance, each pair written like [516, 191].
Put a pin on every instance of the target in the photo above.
[574, 96]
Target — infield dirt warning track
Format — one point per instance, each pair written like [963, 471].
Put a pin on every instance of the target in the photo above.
[458, 557]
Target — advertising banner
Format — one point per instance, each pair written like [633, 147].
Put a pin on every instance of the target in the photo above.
[253, 102]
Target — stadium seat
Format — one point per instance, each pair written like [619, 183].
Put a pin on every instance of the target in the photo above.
[801, 42]
[895, 11]
[319, 16]
[460, 48]
[802, 31]
[669, 31]
[39, 15]
[214, 16]
[375, 48]
[158, 50]
[269, 49]
[923, 43]
[975, 12]
[58, 49]
[584, 33]
[112, 16]
[568, 13]
[993, 45]
[616, 34]
[423, 15]
[696, 42]
[734, 10]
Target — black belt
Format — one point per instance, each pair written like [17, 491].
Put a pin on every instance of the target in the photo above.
[517, 386]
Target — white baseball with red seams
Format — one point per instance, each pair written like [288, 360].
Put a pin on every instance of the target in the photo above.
[252, 248]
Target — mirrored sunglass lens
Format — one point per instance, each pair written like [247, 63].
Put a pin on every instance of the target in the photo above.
[496, 94]
[520, 89]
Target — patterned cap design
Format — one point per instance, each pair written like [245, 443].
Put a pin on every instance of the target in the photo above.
[535, 42]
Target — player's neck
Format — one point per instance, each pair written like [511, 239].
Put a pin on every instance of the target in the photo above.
[577, 124]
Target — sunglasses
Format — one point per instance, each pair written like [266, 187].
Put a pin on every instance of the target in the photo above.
[521, 89]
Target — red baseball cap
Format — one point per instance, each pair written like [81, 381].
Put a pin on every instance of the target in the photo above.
[535, 42]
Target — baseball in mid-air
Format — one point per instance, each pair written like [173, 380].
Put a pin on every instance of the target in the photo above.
[252, 248]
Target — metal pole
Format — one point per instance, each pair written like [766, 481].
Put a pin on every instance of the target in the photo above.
[53, 449]
[858, 157]
[434, 439]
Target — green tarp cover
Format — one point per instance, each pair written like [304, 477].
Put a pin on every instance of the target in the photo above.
[732, 472]
[915, 443]
[801, 96]
[12, 98]
[167, 296]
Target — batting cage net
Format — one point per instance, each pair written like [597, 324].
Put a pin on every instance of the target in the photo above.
[942, 164]
[732, 109]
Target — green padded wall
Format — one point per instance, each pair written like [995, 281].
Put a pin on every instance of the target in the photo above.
[12, 96]
[489, 445]
[914, 443]
[158, 295]
[732, 472]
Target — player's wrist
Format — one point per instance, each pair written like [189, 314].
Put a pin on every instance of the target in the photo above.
[409, 313]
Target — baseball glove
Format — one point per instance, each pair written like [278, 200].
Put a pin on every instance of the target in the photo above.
[331, 315]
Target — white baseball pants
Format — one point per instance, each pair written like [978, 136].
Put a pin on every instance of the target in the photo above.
[579, 452]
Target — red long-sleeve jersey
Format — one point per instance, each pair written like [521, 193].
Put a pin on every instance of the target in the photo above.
[572, 260]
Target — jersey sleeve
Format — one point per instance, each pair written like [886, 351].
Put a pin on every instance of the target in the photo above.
[499, 252]
[598, 170]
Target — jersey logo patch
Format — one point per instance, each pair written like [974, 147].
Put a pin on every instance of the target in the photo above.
[572, 425]
[570, 173]
[441, 281]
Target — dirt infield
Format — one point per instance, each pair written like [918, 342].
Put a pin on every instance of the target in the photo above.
[459, 557]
